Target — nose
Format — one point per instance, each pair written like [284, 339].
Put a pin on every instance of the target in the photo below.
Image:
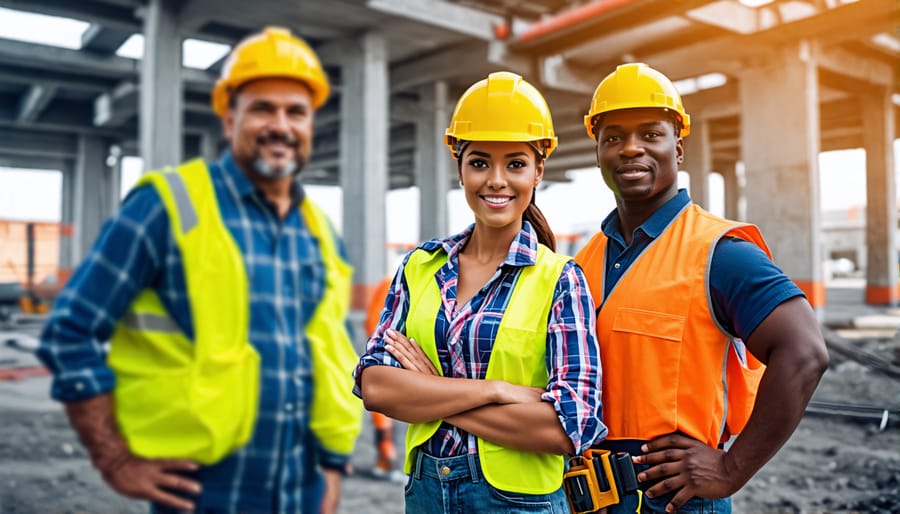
[279, 121]
[496, 177]
[633, 146]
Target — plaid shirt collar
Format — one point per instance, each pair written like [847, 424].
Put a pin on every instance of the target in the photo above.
[522, 252]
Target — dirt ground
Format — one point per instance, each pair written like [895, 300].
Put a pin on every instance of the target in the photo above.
[832, 464]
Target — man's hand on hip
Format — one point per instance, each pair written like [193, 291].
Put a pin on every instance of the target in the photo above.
[153, 480]
[686, 467]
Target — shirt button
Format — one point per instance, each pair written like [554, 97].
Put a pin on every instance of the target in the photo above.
[617, 265]
[79, 386]
[445, 470]
[289, 407]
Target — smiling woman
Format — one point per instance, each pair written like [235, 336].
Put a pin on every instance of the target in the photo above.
[476, 327]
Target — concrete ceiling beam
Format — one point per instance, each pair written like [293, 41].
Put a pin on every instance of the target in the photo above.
[121, 16]
[84, 63]
[464, 20]
[104, 40]
[114, 108]
[441, 65]
[34, 101]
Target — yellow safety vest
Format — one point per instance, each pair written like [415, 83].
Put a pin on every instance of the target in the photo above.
[518, 356]
[198, 400]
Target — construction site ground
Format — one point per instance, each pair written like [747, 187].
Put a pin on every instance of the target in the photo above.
[833, 463]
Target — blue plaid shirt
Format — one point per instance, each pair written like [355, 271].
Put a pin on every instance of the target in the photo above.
[573, 360]
[276, 471]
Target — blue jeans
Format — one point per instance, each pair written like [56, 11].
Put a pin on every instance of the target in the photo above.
[695, 505]
[658, 505]
[455, 485]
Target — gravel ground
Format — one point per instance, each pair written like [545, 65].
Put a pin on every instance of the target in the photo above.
[831, 464]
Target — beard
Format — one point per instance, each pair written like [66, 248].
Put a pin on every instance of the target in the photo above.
[270, 172]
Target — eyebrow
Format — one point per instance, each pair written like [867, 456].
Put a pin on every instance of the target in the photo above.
[654, 123]
[485, 154]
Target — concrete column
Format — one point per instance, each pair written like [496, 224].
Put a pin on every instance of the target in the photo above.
[732, 188]
[698, 161]
[209, 143]
[780, 148]
[92, 194]
[433, 162]
[881, 199]
[364, 160]
[161, 86]
[67, 259]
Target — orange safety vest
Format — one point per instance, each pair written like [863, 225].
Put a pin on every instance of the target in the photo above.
[667, 365]
[376, 305]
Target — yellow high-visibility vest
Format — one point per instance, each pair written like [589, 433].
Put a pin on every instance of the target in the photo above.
[198, 399]
[518, 356]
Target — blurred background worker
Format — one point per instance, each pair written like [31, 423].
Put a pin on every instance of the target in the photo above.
[486, 345]
[385, 449]
[693, 314]
[223, 292]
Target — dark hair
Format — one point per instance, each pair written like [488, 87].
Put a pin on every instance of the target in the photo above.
[534, 216]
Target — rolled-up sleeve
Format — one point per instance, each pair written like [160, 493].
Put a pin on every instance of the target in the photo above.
[125, 259]
[573, 360]
[393, 315]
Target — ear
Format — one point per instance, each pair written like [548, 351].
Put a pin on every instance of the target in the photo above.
[228, 124]
[539, 172]
[679, 150]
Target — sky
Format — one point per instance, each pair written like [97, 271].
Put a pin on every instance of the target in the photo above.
[36, 195]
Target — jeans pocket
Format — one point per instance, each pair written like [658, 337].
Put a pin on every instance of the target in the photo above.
[527, 502]
[407, 488]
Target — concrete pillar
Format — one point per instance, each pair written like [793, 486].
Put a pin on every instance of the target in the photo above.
[732, 188]
[698, 161]
[364, 160]
[881, 198]
[92, 194]
[161, 86]
[780, 148]
[209, 143]
[433, 161]
[67, 259]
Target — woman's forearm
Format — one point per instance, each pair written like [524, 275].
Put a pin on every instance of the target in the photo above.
[415, 397]
[522, 426]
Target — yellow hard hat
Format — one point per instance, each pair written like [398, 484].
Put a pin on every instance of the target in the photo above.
[272, 53]
[502, 107]
[635, 85]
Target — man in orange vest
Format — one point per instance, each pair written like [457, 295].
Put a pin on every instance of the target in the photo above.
[702, 337]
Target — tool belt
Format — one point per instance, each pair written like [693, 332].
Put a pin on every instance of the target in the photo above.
[598, 479]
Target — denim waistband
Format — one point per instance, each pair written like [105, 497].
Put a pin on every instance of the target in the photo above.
[461, 467]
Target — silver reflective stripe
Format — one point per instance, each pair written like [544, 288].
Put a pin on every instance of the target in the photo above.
[182, 201]
[150, 322]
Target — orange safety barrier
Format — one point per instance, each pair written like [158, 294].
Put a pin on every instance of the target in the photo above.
[814, 291]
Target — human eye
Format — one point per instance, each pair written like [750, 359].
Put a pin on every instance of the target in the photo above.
[611, 138]
[516, 164]
[298, 111]
[478, 163]
[260, 107]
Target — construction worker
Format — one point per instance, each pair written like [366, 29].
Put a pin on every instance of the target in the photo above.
[693, 314]
[486, 344]
[222, 290]
[386, 462]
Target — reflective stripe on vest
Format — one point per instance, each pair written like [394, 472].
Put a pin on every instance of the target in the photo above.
[668, 366]
[518, 356]
[199, 400]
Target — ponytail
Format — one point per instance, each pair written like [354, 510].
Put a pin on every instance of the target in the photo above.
[534, 216]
